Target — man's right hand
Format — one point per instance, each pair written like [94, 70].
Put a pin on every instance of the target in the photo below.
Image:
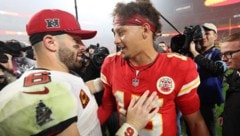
[140, 111]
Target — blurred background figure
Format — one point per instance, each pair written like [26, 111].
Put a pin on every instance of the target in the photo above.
[14, 61]
[92, 48]
[3, 59]
[19, 60]
[164, 46]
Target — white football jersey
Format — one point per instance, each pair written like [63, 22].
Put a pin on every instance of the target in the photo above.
[41, 101]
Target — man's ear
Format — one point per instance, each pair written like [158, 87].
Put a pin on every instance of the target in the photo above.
[216, 36]
[146, 30]
[49, 42]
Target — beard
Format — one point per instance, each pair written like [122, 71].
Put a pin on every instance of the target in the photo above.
[126, 57]
[69, 58]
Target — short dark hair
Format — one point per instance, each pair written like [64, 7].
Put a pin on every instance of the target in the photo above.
[141, 7]
[37, 37]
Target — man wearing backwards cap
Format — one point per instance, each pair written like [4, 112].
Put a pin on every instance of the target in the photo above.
[211, 69]
[139, 67]
[49, 100]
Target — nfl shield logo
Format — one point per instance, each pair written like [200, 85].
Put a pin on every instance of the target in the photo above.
[135, 82]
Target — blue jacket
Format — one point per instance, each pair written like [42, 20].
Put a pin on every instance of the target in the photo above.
[211, 70]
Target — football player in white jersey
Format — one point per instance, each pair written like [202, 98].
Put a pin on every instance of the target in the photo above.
[48, 100]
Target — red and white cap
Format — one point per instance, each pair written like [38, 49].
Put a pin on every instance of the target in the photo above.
[55, 20]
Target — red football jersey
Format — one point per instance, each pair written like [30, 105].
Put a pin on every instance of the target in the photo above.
[172, 75]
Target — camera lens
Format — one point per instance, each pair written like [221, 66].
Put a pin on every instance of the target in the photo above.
[3, 58]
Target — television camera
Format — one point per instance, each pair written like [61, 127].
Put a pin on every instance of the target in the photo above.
[181, 42]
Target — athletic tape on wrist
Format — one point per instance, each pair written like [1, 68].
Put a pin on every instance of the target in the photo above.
[127, 130]
[98, 85]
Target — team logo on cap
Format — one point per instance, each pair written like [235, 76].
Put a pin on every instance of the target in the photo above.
[53, 23]
[165, 85]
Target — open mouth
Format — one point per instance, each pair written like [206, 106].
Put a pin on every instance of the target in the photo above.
[79, 56]
[123, 49]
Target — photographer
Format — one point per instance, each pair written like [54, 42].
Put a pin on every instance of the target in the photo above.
[92, 62]
[211, 69]
[6, 66]
[13, 61]
[3, 58]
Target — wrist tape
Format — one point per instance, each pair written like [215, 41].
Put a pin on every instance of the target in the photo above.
[127, 130]
[98, 85]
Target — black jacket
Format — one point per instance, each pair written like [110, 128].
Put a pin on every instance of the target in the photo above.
[231, 112]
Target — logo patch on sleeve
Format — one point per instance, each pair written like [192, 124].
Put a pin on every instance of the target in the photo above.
[165, 85]
[84, 99]
[43, 114]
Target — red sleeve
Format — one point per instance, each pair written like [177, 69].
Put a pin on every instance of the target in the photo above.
[108, 100]
[108, 104]
[189, 103]
[187, 99]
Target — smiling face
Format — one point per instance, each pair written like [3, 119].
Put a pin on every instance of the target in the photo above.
[209, 39]
[128, 39]
[233, 62]
[71, 50]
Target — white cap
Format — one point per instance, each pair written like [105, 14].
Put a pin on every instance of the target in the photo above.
[210, 26]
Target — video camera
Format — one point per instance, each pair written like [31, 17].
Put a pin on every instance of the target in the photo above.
[181, 42]
[98, 56]
[12, 47]
[3, 58]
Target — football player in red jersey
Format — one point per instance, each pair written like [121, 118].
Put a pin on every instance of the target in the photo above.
[138, 67]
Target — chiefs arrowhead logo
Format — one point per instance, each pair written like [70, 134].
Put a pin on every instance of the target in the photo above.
[165, 85]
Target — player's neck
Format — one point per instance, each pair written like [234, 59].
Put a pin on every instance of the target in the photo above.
[52, 66]
[144, 58]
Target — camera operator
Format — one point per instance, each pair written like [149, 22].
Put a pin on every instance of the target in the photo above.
[6, 66]
[3, 59]
[93, 59]
[13, 61]
[92, 48]
[211, 69]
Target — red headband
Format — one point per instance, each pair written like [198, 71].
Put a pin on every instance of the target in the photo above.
[134, 20]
